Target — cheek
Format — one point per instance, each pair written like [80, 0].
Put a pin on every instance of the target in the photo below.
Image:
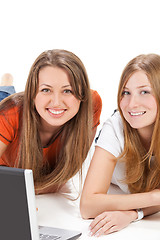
[38, 102]
[72, 101]
[122, 104]
[155, 108]
[151, 102]
[75, 104]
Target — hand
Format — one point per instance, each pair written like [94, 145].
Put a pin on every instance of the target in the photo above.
[111, 221]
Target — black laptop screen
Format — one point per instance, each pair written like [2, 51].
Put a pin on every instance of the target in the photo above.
[14, 217]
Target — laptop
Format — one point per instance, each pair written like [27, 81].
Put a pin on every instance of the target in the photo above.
[18, 220]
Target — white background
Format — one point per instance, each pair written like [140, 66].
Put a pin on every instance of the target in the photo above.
[105, 34]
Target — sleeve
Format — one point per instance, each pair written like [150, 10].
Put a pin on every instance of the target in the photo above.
[111, 136]
[97, 108]
[2, 163]
[8, 126]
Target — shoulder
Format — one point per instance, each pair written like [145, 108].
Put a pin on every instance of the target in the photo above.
[96, 99]
[10, 116]
[13, 103]
[111, 136]
[114, 122]
[97, 107]
[12, 111]
[9, 124]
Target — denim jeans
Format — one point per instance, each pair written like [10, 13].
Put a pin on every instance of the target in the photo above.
[5, 91]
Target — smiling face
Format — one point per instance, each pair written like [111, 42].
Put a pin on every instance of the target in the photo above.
[55, 101]
[138, 103]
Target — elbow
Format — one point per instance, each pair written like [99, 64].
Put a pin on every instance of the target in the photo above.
[86, 208]
[83, 211]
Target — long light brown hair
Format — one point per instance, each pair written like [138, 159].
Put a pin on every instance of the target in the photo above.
[141, 174]
[76, 134]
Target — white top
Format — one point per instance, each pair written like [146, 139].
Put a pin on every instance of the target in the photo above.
[111, 138]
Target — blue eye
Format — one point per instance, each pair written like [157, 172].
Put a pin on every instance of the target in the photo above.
[125, 93]
[145, 92]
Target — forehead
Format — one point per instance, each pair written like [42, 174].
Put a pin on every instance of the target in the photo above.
[53, 75]
[138, 79]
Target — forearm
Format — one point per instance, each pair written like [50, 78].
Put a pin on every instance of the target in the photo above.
[151, 210]
[94, 198]
[95, 204]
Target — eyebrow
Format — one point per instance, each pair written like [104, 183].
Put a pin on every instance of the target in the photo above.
[66, 86]
[47, 85]
[139, 86]
[43, 84]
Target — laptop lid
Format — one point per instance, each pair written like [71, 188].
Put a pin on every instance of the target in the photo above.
[18, 218]
[14, 213]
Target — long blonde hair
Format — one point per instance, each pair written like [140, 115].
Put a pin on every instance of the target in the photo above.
[141, 175]
[76, 134]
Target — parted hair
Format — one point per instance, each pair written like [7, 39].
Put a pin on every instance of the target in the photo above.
[76, 134]
[142, 167]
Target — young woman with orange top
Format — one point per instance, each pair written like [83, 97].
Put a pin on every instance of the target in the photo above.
[50, 126]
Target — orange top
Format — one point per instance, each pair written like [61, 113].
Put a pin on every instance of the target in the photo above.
[9, 124]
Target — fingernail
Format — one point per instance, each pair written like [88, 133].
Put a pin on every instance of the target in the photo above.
[90, 234]
[97, 235]
[89, 227]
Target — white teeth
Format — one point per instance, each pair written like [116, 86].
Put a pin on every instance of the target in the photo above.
[136, 114]
[56, 112]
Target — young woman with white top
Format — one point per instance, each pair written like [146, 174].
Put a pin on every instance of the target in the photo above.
[127, 153]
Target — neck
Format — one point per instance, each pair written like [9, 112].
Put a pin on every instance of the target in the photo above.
[48, 133]
[146, 136]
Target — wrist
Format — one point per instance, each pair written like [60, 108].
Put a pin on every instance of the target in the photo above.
[134, 215]
[140, 214]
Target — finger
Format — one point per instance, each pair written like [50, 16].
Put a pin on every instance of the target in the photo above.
[98, 226]
[97, 220]
[105, 222]
[103, 230]
[111, 230]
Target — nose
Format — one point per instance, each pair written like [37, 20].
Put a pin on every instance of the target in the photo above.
[133, 101]
[56, 99]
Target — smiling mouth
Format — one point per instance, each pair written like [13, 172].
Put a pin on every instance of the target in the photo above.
[56, 112]
[137, 113]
